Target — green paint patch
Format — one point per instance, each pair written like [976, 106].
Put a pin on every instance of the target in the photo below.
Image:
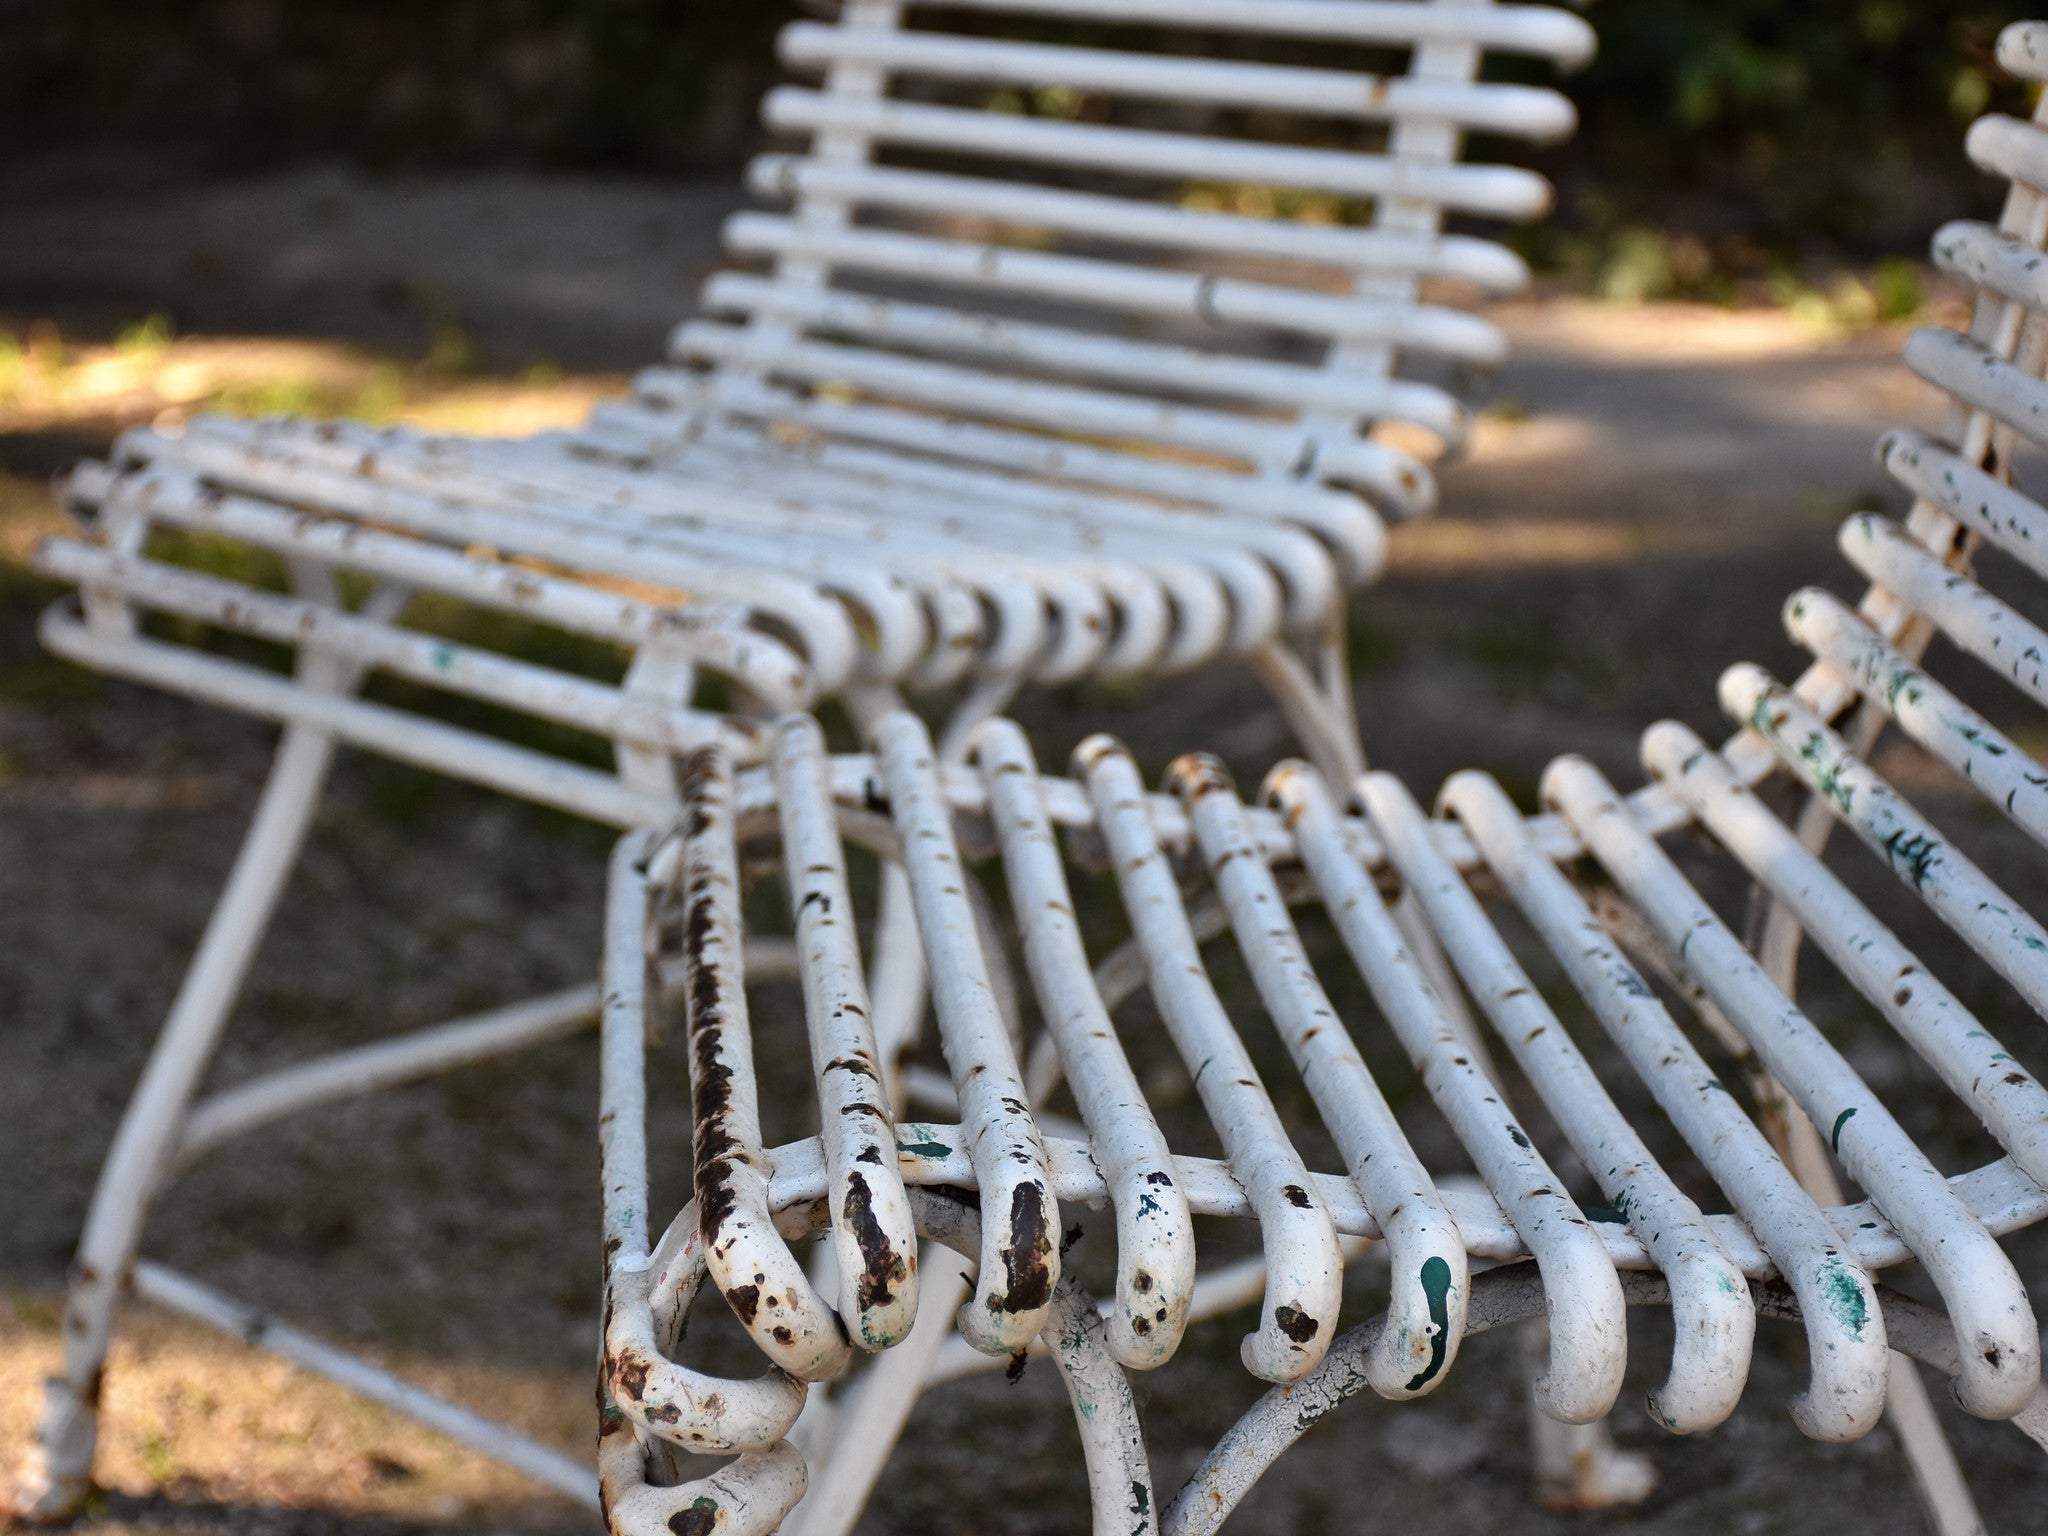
[1913, 854]
[1436, 1285]
[924, 1145]
[1835, 1136]
[1845, 1297]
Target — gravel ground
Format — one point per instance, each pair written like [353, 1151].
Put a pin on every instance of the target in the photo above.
[1648, 486]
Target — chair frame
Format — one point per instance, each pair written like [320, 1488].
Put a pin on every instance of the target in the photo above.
[1624, 915]
[775, 607]
[1779, 1255]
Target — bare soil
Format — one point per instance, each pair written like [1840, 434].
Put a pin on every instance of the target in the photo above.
[1648, 486]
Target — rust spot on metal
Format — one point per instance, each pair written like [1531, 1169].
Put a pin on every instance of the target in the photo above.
[1296, 1196]
[700, 1519]
[746, 1302]
[1026, 1273]
[715, 1146]
[702, 771]
[1014, 1372]
[631, 1376]
[881, 1267]
[1196, 774]
[1295, 1323]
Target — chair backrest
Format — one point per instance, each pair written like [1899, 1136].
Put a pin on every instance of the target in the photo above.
[1210, 229]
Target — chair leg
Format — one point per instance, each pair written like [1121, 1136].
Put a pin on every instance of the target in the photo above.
[1317, 710]
[1577, 1468]
[878, 1405]
[55, 1477]
[1945, 1497]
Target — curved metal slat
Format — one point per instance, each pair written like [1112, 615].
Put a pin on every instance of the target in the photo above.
[1522, 111]
[1426, 1256]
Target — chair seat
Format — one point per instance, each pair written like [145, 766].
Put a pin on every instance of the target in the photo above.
[1636, 988]
[792, 567]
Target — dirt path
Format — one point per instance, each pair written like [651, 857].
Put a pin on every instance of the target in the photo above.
[1647, 488]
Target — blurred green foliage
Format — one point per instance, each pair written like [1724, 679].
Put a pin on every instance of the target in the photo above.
[627, 83]
[1744, 133]
[1721, 139]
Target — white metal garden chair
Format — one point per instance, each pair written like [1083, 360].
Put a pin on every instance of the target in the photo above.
[1003, 409]
[1611, 911]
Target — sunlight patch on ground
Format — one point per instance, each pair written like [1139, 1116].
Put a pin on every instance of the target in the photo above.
[1685, 334]
[27, 513]
[193, 1417]
[1431, 546]
[47, 384]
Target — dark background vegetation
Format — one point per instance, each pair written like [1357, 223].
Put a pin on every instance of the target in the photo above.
[1752, 136]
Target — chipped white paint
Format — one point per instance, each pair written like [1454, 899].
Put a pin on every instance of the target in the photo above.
[876, 1238]
[1999, 928]
[2001, 771]
[1019, 1259]
[762, 1280]
[2001, 1366]
[1304, 1270]
[1425, 1256]
[1980, 1071]
[785, 515]
[1715, 1323]
[1155, 1245]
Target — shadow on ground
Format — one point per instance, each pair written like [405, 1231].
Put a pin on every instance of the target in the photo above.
[1646, 488]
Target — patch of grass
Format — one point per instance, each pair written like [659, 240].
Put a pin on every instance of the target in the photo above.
[399, 793]
[229, 559]
[285, 396]
[32, 1312]
[1518, 652]
[1374, 647]
[13, 365]
[146, 337]
[1519, 786]
[30, 675]
[159, 1460]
